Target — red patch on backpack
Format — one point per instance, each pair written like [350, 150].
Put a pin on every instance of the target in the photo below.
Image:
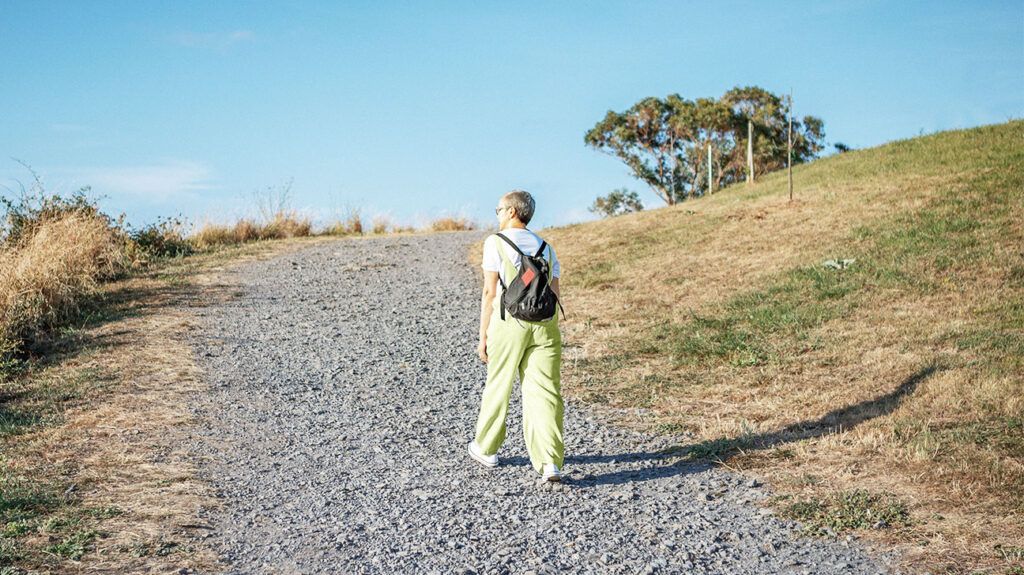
[528, 276]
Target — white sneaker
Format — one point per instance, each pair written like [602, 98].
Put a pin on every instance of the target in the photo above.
[551, 472]
[485, 460]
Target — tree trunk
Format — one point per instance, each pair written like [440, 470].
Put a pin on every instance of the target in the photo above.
[667, 196]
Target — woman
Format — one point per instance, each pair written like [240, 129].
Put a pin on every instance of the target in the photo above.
[510, 347]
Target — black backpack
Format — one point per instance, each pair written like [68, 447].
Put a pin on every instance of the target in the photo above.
[529, 296]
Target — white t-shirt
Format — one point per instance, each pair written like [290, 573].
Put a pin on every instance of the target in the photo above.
[527, 241]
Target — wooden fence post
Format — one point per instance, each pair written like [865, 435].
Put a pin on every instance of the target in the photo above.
[750, 151]
[789, 143]
[711, 186]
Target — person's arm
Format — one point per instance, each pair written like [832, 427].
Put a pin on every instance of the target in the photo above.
[554, 288]
[486, 301]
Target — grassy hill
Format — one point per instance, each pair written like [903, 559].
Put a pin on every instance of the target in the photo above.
[889, 393]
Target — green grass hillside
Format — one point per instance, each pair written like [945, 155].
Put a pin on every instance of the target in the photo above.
[886, 396]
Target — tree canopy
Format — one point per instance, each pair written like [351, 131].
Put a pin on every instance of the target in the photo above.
[665, 141]
[616, 203]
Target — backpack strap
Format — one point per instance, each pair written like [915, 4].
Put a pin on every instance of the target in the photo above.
[551, 263]
[543, 244]
[511, 243]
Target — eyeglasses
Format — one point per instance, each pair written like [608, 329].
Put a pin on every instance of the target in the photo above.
[498, 210]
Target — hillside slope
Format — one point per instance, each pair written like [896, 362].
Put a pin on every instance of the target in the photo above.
[895, 380]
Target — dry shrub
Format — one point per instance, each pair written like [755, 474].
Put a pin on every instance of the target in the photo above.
[245, 230]
[381, 225]
[449, 224]
[211, 235]
[285, 225]
[350, 224]
[281, 226]
[46, 275]
[164, 238]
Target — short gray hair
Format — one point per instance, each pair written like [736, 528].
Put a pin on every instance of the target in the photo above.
[522, 202]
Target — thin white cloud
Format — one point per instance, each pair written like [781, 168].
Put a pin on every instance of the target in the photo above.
[159, 182]
[214, 40]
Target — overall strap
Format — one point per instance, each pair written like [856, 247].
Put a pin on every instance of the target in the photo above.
[510, 270]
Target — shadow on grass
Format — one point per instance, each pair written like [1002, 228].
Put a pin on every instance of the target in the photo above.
[127, 300]
[700, 456]
[28, 400]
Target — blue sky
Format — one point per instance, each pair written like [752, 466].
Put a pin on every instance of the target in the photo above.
[416, 110]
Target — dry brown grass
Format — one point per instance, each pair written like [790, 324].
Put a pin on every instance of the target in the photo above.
[906, 384]
[282, 225]
[384, 225]
[381, 225]
[286, 225]
[213, 235]
[243, 231]
[114, 436]
[452, 224]
[351, 224]
[45, 276]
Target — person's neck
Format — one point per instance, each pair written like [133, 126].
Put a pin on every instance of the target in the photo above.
[514, 224]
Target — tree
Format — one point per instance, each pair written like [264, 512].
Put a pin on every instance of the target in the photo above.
[769, 114]
[617, 202]
[705, 122]
[665, 142]
[645, 140]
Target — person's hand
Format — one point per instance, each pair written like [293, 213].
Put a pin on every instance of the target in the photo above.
[481, 350]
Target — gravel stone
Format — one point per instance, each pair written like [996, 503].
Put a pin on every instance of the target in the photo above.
[343, 388]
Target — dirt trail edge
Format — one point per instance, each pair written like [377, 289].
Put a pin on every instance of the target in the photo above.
[343, 386]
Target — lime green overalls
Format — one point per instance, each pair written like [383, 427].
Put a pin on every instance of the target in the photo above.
[533, 351]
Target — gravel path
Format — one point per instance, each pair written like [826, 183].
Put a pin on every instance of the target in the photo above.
[342, 393]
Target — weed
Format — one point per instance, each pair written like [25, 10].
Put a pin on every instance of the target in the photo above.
[10, 553]
[715, 449]
[164, 238]
[75, 545]
[847, 510]
[22, 500]
[102, 512]
[1010, 552]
